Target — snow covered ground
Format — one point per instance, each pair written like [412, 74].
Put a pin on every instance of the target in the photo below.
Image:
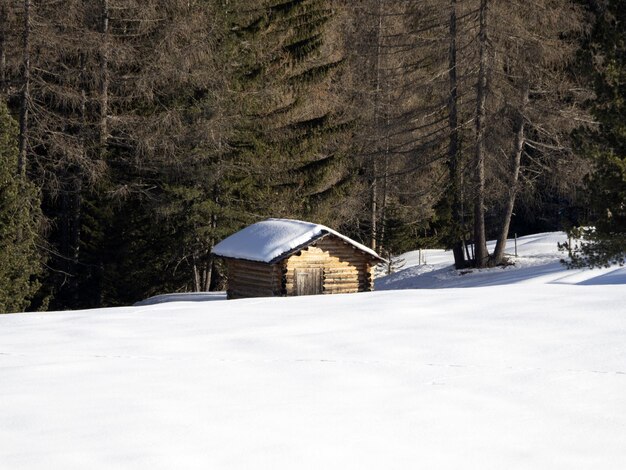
[538, 262]
[523, 368]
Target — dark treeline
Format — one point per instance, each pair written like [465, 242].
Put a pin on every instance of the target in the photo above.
[136, 134]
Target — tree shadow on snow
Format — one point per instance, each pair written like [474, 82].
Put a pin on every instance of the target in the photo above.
[552, 272]
[607, 279]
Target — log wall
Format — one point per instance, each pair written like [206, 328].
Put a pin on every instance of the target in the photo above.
[253, 279]
[345, 268]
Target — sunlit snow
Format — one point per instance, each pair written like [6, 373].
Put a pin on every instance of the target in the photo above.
[523, 368]
[268, 239]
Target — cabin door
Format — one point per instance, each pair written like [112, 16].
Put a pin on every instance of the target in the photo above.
[308, 281]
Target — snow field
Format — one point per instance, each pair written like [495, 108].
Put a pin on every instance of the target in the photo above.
[528, 375]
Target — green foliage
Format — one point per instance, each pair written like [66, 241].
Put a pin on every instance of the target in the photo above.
[605, 243]
[140, 262]
[20, 216]
[158, 128]
[160, 131]
[589, 248]
[291, 132]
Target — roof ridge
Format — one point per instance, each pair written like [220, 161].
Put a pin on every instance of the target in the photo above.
[272, 239]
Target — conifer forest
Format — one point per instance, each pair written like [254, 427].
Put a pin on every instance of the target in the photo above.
[136, 134]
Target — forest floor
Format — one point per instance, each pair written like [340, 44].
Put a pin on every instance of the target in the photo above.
[517, 368]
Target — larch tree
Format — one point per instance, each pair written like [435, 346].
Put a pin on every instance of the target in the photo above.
[507, 76]
[155, 128]
[64, 141]
[400, 133]
[533, 100]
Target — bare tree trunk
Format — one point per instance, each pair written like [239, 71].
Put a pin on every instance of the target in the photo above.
[74, 207]
[384, 199]
[374, 183]
[74, 222]
[202, 273]
[374, 206]
[453, 146]
[498, 253]
[104, 80]
[481, 256]
[385, 175]
[208, 274]
[23, 137]
[3, 52]
[211, 263]
[196, 275]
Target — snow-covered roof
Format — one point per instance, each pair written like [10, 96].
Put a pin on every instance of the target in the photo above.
[270, 239]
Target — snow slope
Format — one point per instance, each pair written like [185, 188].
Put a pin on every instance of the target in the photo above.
[538, 262]
[526, 375]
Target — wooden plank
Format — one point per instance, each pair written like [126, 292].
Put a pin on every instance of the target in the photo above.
[342, 291]
[252, 279]
[346, 269]
[341, 274]
[250, 283]
[311, 260]
[343, 282]
[259, 279]
[250, 271]
[350, 282]
[254, 290]
[243, 262]
[308, 281]
[349, 275]
[341, 285]
[354, 279]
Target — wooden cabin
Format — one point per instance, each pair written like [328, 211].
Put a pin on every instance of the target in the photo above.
[282, 257]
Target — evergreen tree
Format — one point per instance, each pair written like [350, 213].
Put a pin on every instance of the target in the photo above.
[605, 243]
[20, 216]
[291, 141]
[163, 202]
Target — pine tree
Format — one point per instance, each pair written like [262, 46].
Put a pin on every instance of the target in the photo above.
[20, 216]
